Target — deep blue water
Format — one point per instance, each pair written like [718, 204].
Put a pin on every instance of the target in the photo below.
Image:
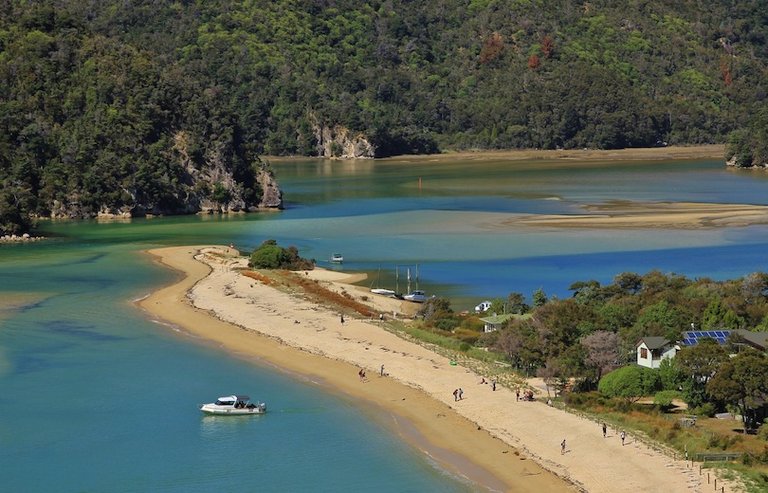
[95, 397]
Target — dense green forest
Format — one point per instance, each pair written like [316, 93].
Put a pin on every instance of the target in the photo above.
[109, 103]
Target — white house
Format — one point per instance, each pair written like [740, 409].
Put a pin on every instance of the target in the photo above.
[651, 350]
[495, 322]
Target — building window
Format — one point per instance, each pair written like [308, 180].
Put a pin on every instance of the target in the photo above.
[643, 353]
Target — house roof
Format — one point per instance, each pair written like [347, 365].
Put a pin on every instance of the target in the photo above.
[497, 319]
[758, 339]
[653, 342]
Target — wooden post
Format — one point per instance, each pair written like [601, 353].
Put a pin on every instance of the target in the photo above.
[715, 483]
[707, 478]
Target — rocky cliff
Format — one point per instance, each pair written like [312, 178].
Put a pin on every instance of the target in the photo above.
[338, 142]
[207, 183]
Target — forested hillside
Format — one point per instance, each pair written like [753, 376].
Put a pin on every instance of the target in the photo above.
[111, 104]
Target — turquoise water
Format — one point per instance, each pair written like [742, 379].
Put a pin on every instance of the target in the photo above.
[97, 398]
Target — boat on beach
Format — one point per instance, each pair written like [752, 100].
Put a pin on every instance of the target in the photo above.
[416, 296]
[234, 405]
[384, 292]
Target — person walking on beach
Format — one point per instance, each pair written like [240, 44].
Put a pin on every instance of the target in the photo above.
[381, 371]
[623, 436]
[461, 394]
[605, 429]
[493, 384]
[342, 319]
[562, 447]
[517, 394]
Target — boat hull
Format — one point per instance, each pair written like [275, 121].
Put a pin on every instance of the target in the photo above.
[232, 412]
[218, 410]
[383, 292]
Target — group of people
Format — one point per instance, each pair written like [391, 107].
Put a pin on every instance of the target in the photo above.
[622, 435]
[458, 394]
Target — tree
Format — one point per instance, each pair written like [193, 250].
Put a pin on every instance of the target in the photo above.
[743, 381]
[661, 319]
[602, 349]
[629, 383]
[629, 282]
[539, 298]
[269, 255]
[699, 363]
[717, 316]
[521, 343]
[672, 378]
[516, 303]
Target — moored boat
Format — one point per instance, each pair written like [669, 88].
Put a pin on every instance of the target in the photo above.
[337, 258]
[234, 405]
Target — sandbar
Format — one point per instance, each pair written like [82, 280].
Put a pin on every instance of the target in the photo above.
[488, 437]
[656, 215]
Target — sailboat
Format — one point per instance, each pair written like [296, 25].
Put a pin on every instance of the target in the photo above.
[382, 291]
[417, 295]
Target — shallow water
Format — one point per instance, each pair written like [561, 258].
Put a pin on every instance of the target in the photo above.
[97, 398]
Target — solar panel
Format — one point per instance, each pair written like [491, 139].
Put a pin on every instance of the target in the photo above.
[691, 337]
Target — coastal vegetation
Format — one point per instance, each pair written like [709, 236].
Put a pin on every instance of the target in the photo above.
[165, 107]
[584, 349]
[270, 255]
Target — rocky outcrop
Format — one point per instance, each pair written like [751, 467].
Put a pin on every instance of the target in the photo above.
[271, 195]
[338, 142]
[210, 184]
[23, 238]
[733, 162]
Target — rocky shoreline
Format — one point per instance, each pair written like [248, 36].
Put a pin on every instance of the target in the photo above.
[24, 238]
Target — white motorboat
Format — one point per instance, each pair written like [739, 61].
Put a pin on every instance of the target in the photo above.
[235, 405]
[416, 296]
[337, 258]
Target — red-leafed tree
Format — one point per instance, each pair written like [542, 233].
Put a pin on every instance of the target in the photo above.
[492, 48]
[534, 62]
[547, 46]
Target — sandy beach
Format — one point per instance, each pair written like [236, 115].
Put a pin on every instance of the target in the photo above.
[488, 437]
[708, 151]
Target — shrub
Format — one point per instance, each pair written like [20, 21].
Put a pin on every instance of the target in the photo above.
[706, 409]
[629, 383]
[762, 432]
[269, 255]
[664, 399]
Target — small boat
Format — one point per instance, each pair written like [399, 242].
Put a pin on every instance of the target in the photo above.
[416, 296]
[337, 258]
[235, 405]
[384, 292]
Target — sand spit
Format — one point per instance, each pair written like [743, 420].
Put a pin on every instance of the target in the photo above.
[487, 436]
